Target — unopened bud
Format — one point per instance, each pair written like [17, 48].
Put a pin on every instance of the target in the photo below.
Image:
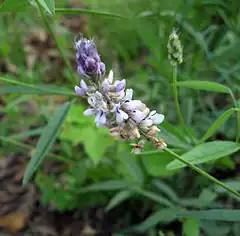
[175, 51]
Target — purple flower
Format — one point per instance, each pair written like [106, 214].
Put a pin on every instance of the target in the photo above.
[88, 59]
[81, 91]
[120, 114]
[152, 119]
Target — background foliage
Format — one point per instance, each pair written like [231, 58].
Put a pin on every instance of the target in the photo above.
[90, 169]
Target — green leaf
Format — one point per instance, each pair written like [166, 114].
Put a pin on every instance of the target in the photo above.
[96, 142]
[219, 215]
[48, 5]
[206, 152]
[88, 12]
[161, 216]
[14, 6]
[172, 140]
[108, 185]
[191, 227]
[225, 116]
[118, 198]
[204, 85]
[156, 164]
[26, 134]
[164, 188]
[47, 139]
[153, 196]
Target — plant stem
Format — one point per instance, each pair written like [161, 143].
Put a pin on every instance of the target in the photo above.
[202, 172]
[176, 101]
[175, 94]
[73, 79]
[238, 115]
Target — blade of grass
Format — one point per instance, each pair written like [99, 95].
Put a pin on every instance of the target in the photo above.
[88, 12]
[36, 88]
[49, 28]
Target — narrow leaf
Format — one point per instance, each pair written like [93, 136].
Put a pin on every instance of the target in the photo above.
[32, 88]
[48, 5]
[118, 198]
[206, 152]
[225, 116]
[219, 215]
[161, 216]
[88, 12]
[153, 196]
[47, 139]
[107, 185]
[204, 85]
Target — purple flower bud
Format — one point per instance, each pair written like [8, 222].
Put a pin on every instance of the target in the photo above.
[88, 59]
[121, 116]
[120, 85]
[79, 91]
[129, 94]
[84, 85]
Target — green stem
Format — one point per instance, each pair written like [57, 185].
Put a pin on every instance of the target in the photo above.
[203, 173]
[175, 94]
[238, 116]
[176, 101]
[57, 42]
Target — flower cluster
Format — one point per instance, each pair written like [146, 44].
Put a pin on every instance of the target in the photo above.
[111, 103]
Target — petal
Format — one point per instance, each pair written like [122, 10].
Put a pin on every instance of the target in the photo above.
[129, 94]
[101, 118]
[121, 116]
[146, 122]
[120, 85]
[81, 70]
[137, 115]
[132, 105]
[105, 86]
[157, 118]
[84, 85]
[89, 112]
[110, 77]
[79, 91]
[152, 113]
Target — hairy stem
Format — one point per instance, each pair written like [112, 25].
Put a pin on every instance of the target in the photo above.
[176, 101]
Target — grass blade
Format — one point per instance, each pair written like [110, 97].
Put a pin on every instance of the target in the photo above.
[88, 12]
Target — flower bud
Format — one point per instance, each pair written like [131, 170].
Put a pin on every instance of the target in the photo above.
[175, 51]
[88, 59]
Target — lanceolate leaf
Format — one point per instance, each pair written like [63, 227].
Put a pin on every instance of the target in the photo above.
[206, 152]
[204, 85]
[118, 198]
[48, 5]
[219, 215]
[46, 140]
[225, 116]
